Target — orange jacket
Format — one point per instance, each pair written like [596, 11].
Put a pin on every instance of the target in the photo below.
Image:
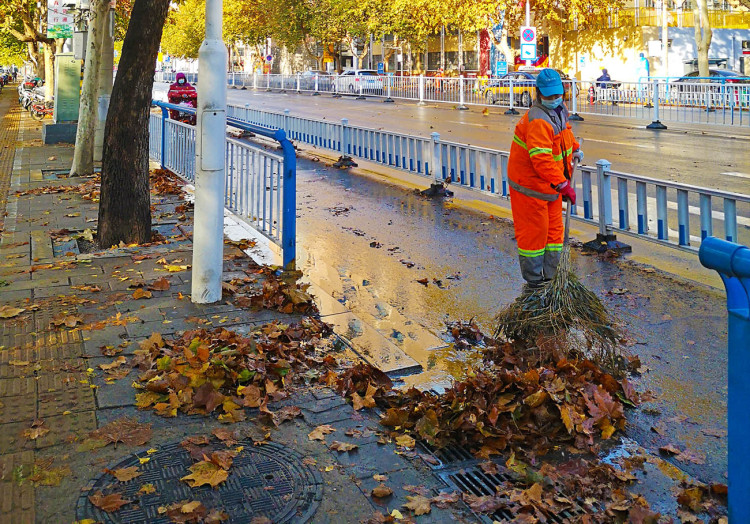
[542, 139]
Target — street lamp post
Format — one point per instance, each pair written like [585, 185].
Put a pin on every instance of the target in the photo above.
[208, 236]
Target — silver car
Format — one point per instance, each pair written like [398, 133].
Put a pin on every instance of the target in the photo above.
[350, 81]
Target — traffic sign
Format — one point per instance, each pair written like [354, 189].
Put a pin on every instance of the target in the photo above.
[528, 51]
[528, 34]
[381, 68]
[501, 68]
[269, 58]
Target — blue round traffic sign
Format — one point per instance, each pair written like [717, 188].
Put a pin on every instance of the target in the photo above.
[527, 35]
[269, 58]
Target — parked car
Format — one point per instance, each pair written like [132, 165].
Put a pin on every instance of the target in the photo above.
[524, 87]
[722, 86]
[349, 81]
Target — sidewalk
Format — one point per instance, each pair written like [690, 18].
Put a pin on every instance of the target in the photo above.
[69, 319]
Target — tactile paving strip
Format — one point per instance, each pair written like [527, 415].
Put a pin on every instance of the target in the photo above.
[268, 480]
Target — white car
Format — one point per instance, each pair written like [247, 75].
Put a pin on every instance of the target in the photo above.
[349, 81]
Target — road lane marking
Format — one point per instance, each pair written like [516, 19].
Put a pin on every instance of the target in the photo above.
[734, 173]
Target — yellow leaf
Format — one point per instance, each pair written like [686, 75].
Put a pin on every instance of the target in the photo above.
[18, 362]
[151, 451]
[10, 311]
[405, 441]
[396, 514]
[174, 269]
[147, 489]
[205, 472]
[143, 460]
[329, 468]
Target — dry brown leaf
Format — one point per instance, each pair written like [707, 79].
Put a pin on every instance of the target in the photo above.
[405, 441]
[141, 293]
[125, 474]
[418, 504]
[108, 503]
[160, 284]
[10, 311]
[342, 446]
[320, 432]
[205, 472]
[119, 361]
[381, 491]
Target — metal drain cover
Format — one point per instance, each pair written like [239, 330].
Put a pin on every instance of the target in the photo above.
[268, 480]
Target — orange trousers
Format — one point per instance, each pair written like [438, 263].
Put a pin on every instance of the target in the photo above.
[539, 235]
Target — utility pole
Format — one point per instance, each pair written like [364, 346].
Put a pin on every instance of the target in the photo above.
[208, 228]
[528, 23]
[664, 39]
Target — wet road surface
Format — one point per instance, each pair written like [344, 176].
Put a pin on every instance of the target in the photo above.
[358, 236]
[707, 156]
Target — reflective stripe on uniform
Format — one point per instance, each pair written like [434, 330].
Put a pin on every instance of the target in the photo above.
[531, 252]
[554, 247]
[539, 150]
[548, 197]
[519, 141]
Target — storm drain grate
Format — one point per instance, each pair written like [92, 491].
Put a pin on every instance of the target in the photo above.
[474, 481]
[268, 480]
[447, 456]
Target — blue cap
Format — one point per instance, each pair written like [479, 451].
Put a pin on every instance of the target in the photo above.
[549, 82]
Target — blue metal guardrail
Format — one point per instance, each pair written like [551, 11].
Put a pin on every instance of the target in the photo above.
[260, 186]
[616, 202]
[732, 262]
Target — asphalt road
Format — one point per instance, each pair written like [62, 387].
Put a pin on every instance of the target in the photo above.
[709, 156]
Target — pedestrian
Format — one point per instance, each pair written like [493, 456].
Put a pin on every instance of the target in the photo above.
[603, 79]
[644, 69]
[539, 173]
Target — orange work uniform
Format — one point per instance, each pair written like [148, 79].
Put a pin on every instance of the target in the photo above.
[542, 144]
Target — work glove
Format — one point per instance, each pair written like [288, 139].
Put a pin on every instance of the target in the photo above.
[579, 155]
[567, 192]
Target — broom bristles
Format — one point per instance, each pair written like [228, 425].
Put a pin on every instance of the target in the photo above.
[562, 306]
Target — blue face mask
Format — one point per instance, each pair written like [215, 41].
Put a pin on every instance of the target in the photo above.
[552, 104]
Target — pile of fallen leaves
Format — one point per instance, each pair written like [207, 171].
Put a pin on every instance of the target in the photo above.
[280, 291]
[504, 406]
[89, 189]
[164, 182]
[205, 371]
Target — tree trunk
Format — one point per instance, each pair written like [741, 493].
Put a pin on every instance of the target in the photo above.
[83, 155]
[703, 35]
[125, 203]
[49, 71]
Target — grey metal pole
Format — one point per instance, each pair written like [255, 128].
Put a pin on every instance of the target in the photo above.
[656, 124]
[208, 235]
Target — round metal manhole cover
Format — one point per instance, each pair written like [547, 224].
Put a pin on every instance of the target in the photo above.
[268, 480]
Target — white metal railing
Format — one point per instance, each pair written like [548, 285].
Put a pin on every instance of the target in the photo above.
[254, 177]
[723, 103]
[676, 214]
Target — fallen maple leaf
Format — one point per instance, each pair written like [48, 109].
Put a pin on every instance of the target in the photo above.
[205, 472]
[141, 293]
[405, 441]
[418, 504]
[443, 500]
[126, 430]
[35, 432]
[125, 474]
[342, 446]
[147, 489]
[320, 432]
[108, 503]
[119, 361]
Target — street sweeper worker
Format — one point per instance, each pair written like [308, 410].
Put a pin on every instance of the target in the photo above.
[539, 173]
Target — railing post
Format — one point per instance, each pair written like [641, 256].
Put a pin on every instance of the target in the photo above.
[317, 92]
[298, 86]
[574, 97]
[436, 163]
[345, 135]
[605, 240]
[388, 98]
[282, 84]
[656, 124]
[286, 122]
[361, 88]
[164, 116]
[511, 110]
[461, 99]
[268, 81]
[244, 80]
[289, 205]
[335, 86]
[255, 80]
[732, 262]
[421, 90]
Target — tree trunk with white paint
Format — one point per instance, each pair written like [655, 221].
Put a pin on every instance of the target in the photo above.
[83, 155]
[703, 35]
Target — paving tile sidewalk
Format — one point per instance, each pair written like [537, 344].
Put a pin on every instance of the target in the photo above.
[52, 373]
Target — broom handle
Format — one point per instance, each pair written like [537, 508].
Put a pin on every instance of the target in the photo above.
[567, 206]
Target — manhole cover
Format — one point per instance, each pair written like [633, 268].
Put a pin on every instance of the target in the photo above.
[268, 480]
